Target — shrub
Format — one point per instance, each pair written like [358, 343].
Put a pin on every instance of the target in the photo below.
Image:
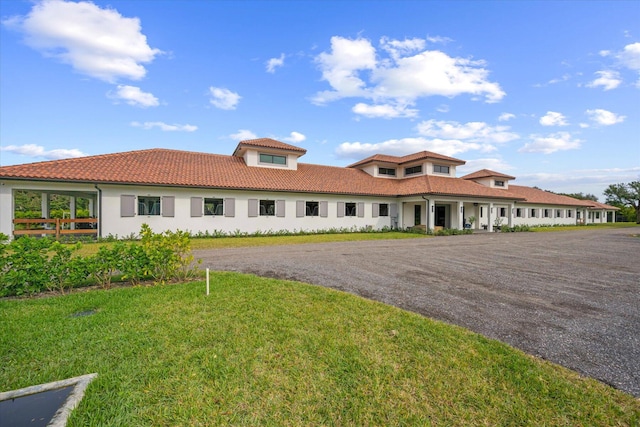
[24, 266]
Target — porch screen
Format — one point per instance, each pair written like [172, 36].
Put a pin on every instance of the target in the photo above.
[127, 205]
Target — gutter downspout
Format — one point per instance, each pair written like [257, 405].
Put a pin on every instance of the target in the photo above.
[427, 213]
[99, 210]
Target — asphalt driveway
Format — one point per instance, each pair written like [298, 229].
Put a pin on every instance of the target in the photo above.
[571, 297]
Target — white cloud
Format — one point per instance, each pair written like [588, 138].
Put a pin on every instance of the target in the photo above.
[223, 98]
[494, 164]
[134, 96]
[165, 127]
[604, 117]
[274, 63]
[96, 42]
[553, 118]
[608, 80]
[559, 141]
[295, 137]
[506, 117]
[386, 111]
[443, 108]
[472, 131]
[33, 150]
[404, 146]
[630, 56]
[353, 68]
[243, 135]
[438, 39]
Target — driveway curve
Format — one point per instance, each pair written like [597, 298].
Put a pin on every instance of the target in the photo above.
[571, 297]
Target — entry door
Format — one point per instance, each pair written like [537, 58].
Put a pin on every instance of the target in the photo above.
[441, 216]
[417, 214]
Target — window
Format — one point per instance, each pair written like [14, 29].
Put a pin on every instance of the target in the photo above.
[383, 209]
[350, 209]
[597, 215]
[481, 212]
[312, 208]
[547, 213]
[503, 212]
[558, 213]
[569, 213]
[386, 171]
[413, 170]
[148, 205]
[499, 183]
[267, 207]
[519, 213]
[213, 206]
[441, 169]
[533, 213]
[273, 159]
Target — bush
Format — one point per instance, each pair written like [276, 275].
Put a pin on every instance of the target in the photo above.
[24, 266]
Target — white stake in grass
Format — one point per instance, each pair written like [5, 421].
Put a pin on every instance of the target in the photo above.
[207, 281]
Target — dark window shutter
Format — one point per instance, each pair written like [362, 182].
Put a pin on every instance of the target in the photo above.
[230, 207]
[360, 209]
[168, 206]
[375, 210]
[127, 205]
[253, 208]
[340, 209]
[280, 208]
[324, 209]
[196, 206]
[300, 205]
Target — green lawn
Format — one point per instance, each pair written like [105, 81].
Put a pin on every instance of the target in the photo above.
[587, 227]
[267, 352]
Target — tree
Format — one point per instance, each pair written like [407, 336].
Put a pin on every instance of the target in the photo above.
[581, 196]
[621, 195]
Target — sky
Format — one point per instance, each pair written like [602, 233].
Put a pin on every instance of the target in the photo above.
[546, 91]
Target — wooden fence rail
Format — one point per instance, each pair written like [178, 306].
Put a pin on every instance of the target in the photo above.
[55, 226]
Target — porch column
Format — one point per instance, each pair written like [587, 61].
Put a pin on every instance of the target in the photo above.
[431, 214]
[460, 215]
[72, 209]
[510, 215]
[613, 216]
[45, 205]
[6, 210]
[490, 217]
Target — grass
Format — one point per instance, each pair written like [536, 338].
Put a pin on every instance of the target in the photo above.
[267, 352]
[239, 242]
[585, 227]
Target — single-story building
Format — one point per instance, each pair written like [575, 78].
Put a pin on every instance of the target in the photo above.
[263, 187]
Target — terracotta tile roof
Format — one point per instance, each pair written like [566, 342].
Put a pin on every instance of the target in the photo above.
[536, 196]
[431, 184]
[598, 205]
[268, 143]
[384, 158]
[486, 173]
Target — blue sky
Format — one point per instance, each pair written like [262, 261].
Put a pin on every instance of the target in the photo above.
[546, 91]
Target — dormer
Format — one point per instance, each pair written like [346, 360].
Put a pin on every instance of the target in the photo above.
[422, 163]
[269, 153]
[490, 178]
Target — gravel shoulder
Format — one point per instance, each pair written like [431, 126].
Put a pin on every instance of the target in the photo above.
[570, 297]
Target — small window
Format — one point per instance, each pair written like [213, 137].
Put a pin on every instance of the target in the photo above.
[312, 208]
[441, 169]
[499, 183]
[267, 207]
[148, 205]
[213, 206]
[413, 170]
[597, 215]
[350, 209]
[273, 159]
[386, 171]
[503, 212]
[547, 213]
[532, 214]
[383, 209]
[481, 212]
[558, 213]
[518, 213]
[569, 213]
